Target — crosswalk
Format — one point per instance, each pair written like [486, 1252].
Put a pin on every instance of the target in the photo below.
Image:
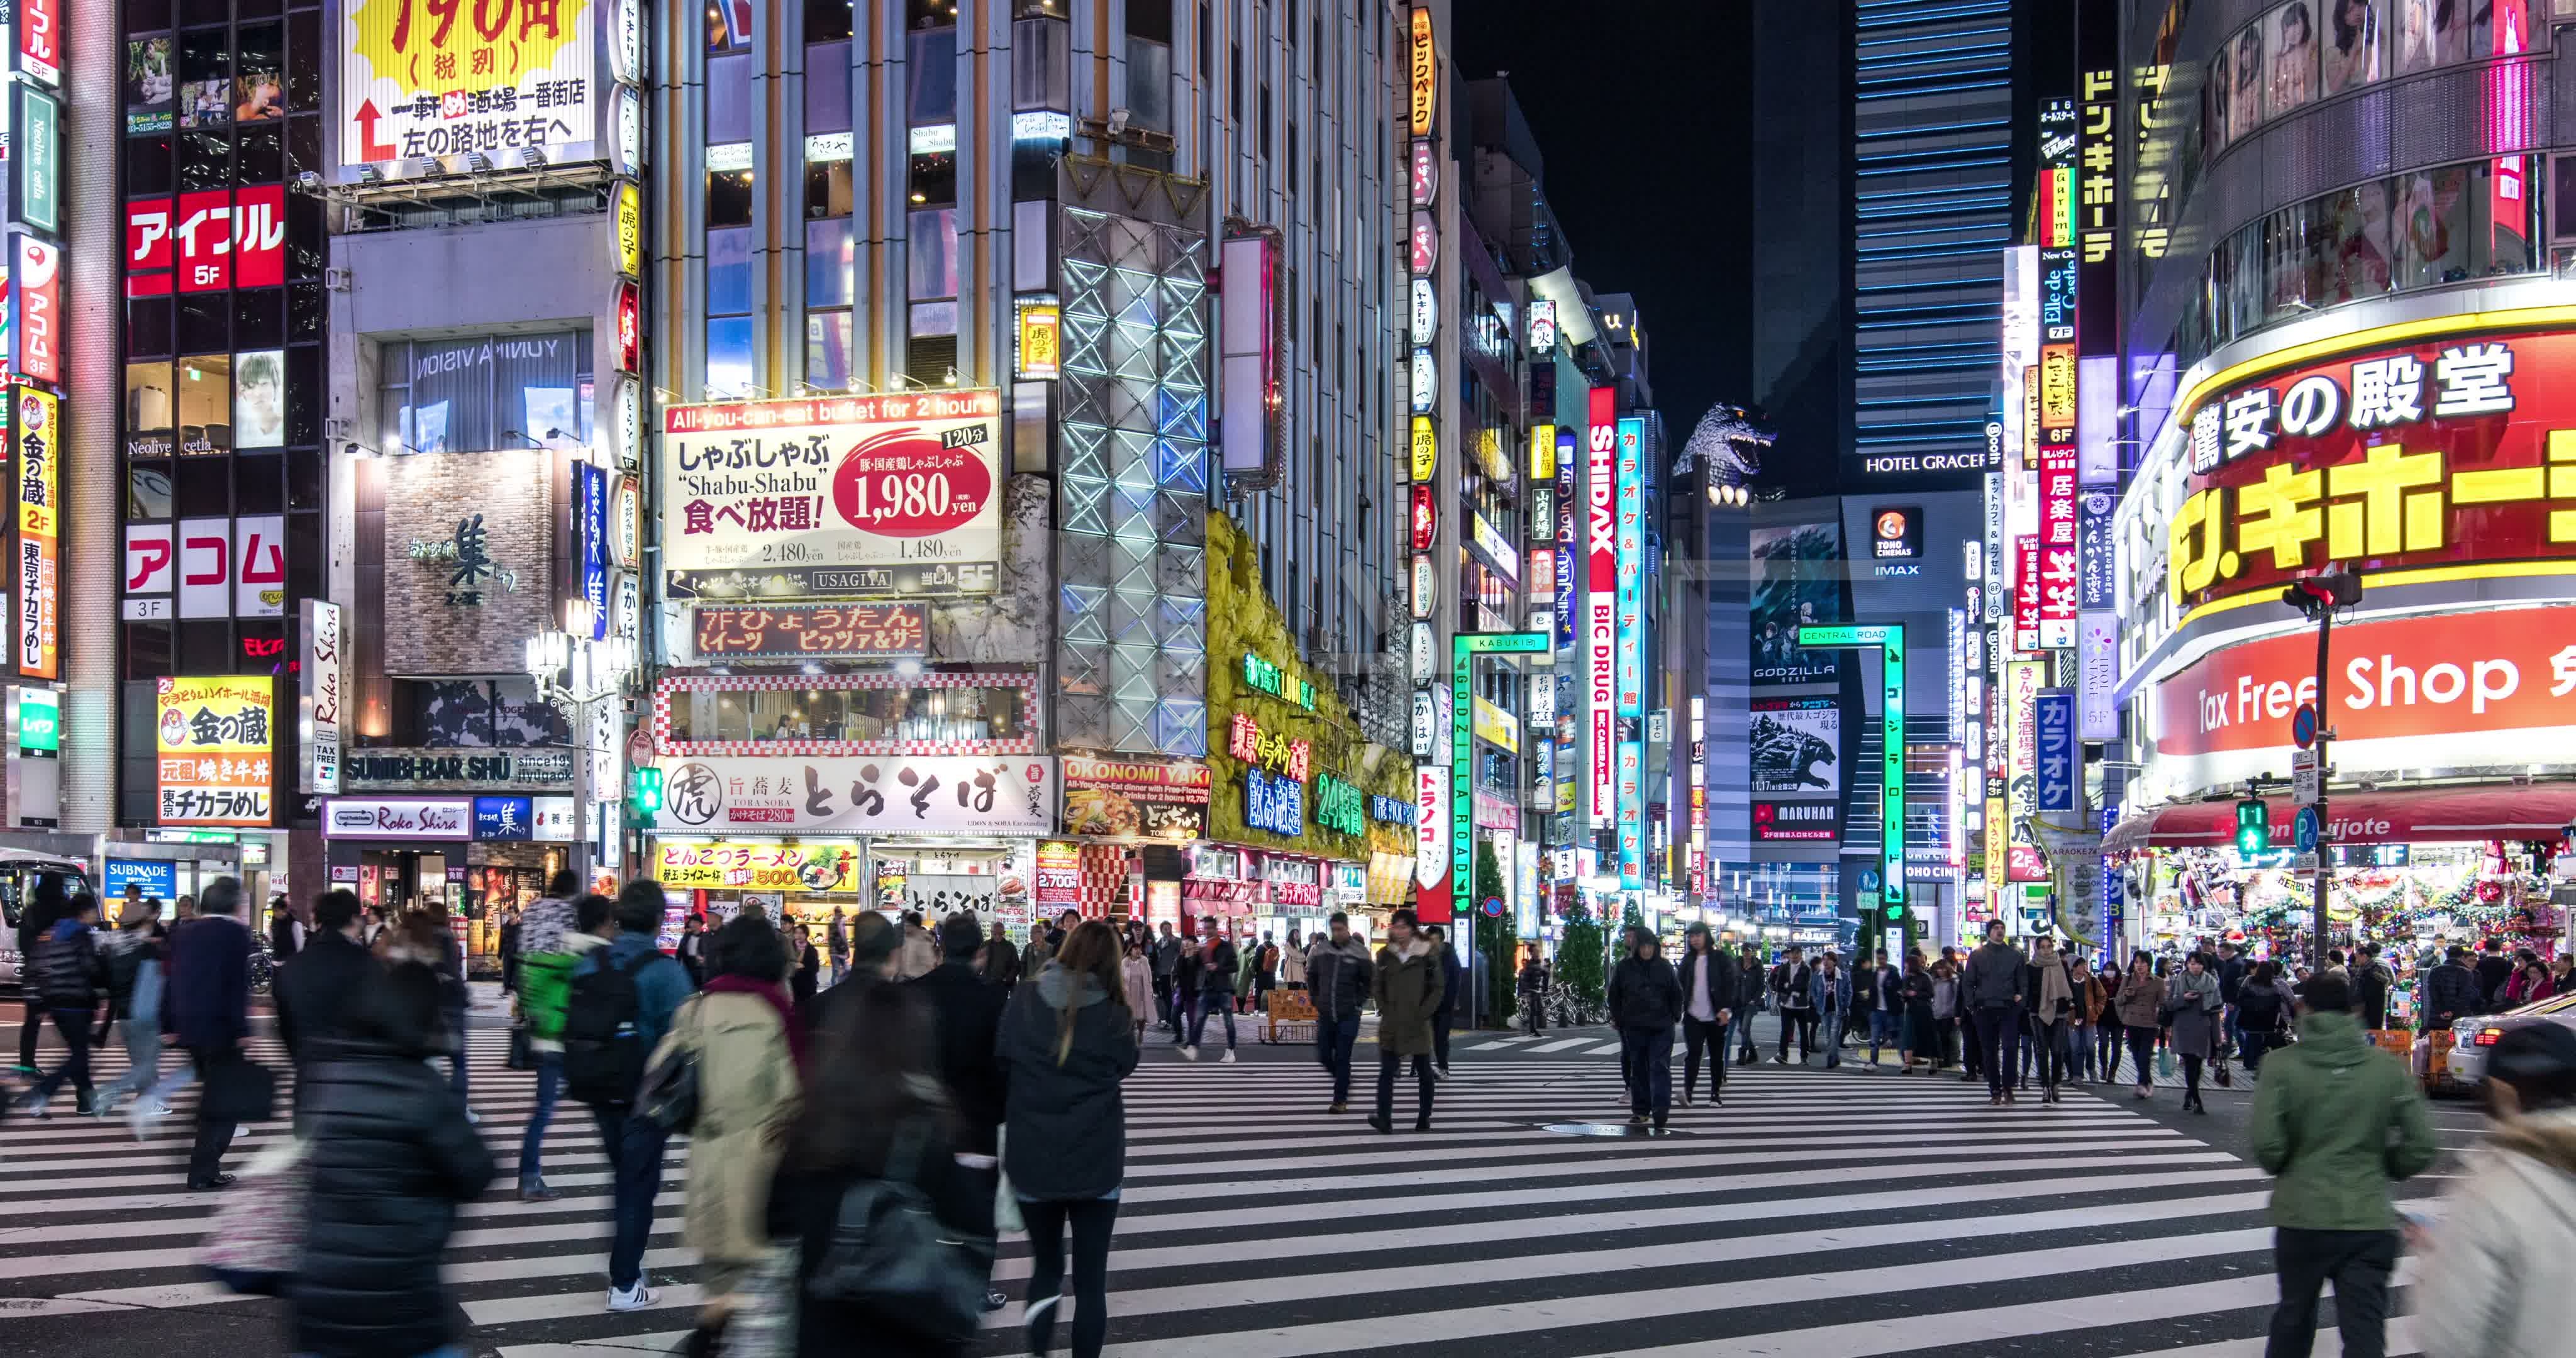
[1814, 1215]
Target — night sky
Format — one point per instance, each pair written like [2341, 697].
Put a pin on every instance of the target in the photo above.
[1642, 111]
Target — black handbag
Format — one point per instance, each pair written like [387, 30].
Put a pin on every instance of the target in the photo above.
[892, 1257]
[523, 1052]
[238, 1090]
[668, 1094]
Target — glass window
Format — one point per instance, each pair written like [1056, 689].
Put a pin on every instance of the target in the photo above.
[857, 715]
[2500, 27]
[729, 356]
[827, 350]
[930, 65]
[259, 74]
[934, 177]
[829, 191]
[1041, 64]
[728, 199]
[147, 490]
[1149, 84]
[2245, 280]
[2294, 57]
[259, 399]
[2356, 243]
[2216, 94]
[934, 253]
[829, 256]
[728, 24]
[2355, 48]
[206, 404]
[2501, 215]
[482, 393]
[205, 78]
[728, 99]
[1030, 258]
[2431, 33]
[2245, 95]
[933, 318]
[826, 21]
[2429, 226]
[729, 272]
[827, 83]
[148, 408]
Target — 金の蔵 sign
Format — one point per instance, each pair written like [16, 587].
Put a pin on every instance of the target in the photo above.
[906, 478]
[215, 742]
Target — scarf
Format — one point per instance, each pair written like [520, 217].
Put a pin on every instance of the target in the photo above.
[2052, 985]
[777, 997]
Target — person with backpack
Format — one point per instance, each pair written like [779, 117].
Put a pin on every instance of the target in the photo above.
[136, 968]
[2263, 1007]
[616, 1010]
[72, 978]
[2488, 1276]
[548, 954]
[742, 1036]
[390, 1158]
[1065, 1047]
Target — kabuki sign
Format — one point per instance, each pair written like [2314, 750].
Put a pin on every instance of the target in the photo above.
[908, 478]
[2388, 460]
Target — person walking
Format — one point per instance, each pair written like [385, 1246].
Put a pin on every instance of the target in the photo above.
[1881, 1003]
[1707, 981]
[548, 952]
[837, 938]
[1830, 996]
[511, 922]
[2371, 982]
[1166, 953]
[429, 929]
[1945, 1015]
[1292, 962]
[320, 993]
[1918, 1033]
[282, 933]
[1749, 989]
[2493, 970]
[748, 1045]
[1216, 977]
[71, 975]
[805, 974]
[209, 998]
[2263, 1011]
[2084, 1020]
[1529, 991]
[2052, 999]
[1453, 988]
[2140, 1006]
[692, 949]
[137, 978]
[43, 910]
[2191, 1022]
[1136, 985]
[1265, 974]
[2336, 1124]
[1407, 983]
[1792, 986]
[2489, 1283]
[1995, 991]
[617, 1007]
[965, 1015]
[917, 956]
[389, 1158]
[1645, 1002]
[1338, 974]
[1065, 1047]
[2107, 1028]
[1000, 966]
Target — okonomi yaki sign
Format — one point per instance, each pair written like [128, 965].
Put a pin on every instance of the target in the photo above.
[906, 478]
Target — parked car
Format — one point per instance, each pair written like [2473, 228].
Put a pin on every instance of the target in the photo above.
[20, 871]
[2472, 1037]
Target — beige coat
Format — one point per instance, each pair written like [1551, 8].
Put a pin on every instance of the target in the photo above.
[747, 1096]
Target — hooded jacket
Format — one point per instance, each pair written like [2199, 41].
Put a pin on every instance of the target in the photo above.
[1645, 993]
[1337, 977]
[2323, 1122]
[1070, 1120]
[390, 1156]
[2493, 1283]
[1994, 978]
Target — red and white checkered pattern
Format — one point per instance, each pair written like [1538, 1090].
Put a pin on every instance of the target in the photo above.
[1025, 743]
[1104, 880]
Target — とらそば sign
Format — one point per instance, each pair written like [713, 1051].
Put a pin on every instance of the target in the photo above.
[813, 631]
[2410, 460]
[906, 478]
[215, 741]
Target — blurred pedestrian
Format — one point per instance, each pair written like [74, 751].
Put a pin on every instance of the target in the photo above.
[2338, 1122]
[2263, 1012]
[137, 979]
[1216, 976]
[320, 992]
[1000, 966]
[43, 910]
[1919, 1034]
[71, 975]
[1750, 990]
[617, 1006]
[1453, 992]
[2371, 982]
[1337, 978]
[1292, 962]
[2490, 1282]
[1065, 1047]
[1136, 984]
[966, 1018]
[1407, 984]
[209, 997]
[1166, 951]
[748, 1046]
[917, 956]
[805, 972]
[1645, 1005]
[285, 932]
[547, 958]
[692, 949]
[389, 1157]
[838, 940]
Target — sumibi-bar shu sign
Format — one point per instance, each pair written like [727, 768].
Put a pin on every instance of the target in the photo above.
[1889, 639]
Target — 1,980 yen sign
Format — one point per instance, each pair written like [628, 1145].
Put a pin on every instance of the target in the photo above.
[906, 485]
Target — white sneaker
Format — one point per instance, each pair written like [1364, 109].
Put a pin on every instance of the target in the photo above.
[140, 1118]
[1227, 1059]
[634, 1298]
[1189, 1053]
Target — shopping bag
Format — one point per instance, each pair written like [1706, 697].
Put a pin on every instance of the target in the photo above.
[253, 1239]
[1006, 1204]
[2164, 1063]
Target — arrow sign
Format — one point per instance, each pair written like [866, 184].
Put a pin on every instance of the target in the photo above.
[2303, 725]
[2306, 829]
[368, 147]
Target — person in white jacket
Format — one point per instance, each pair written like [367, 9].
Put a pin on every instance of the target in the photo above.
[2493, 1281]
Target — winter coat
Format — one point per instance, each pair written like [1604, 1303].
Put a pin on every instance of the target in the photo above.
[747, 1097]
[2092, 1000]
[2491, 1284]
[1067, 1118]
[660, 982]
[2493, 971]
[1830, 994]
[805, 1206]
[1645, 994]
[1408, 987]
[2141, 1001]
[2191, 1010]
[1248, 973]
[391, 1155]
[1994, 978]
[2370, 984]
[1721, 980]
[1216, 969]
[318, 991]
[1532, 982]
[966, 1014]
[1793, 985]
[209, 995]
[1166, 954]
[2265, 1008]
[1453, 982]
[70, 974]
[2448, 993]
[2336, 1120]
[1945, 998]
[1136, 976]
[133, 971]
[1001, 963]
[1337, 977]
[1292, 966]
[915, 957]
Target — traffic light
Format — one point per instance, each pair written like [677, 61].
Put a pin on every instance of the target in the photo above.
[2318, 593]
[644, 793]
[2253, 826]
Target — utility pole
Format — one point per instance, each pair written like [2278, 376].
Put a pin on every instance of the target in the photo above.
[2318, 597]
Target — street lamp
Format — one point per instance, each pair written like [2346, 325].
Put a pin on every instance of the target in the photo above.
[572, 672]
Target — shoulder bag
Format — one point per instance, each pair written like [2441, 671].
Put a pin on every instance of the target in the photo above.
[891, 1257]
[669, 1094]
[255, 1238]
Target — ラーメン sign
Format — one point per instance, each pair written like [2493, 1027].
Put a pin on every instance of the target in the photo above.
[906, 478]
[831, 868]
[2403, 461]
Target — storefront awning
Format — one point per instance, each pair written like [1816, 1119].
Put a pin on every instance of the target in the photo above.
[2413, 816]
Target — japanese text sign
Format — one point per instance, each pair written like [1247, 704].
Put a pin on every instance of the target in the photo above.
[215, 742]
[444, 77]
[813, 632]
[959, 794]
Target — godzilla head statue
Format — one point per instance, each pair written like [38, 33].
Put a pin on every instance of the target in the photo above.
[1731, 441]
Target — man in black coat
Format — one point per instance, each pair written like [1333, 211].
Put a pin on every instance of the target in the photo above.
[1708, 978]
[1645, 1003]
[2450, 993]
[2494, 969]
[208, 1010]
[44, 907]
[319, 991]
[968, 1013]
[2371, 979]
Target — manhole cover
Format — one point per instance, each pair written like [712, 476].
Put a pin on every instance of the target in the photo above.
[1601, 1129]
